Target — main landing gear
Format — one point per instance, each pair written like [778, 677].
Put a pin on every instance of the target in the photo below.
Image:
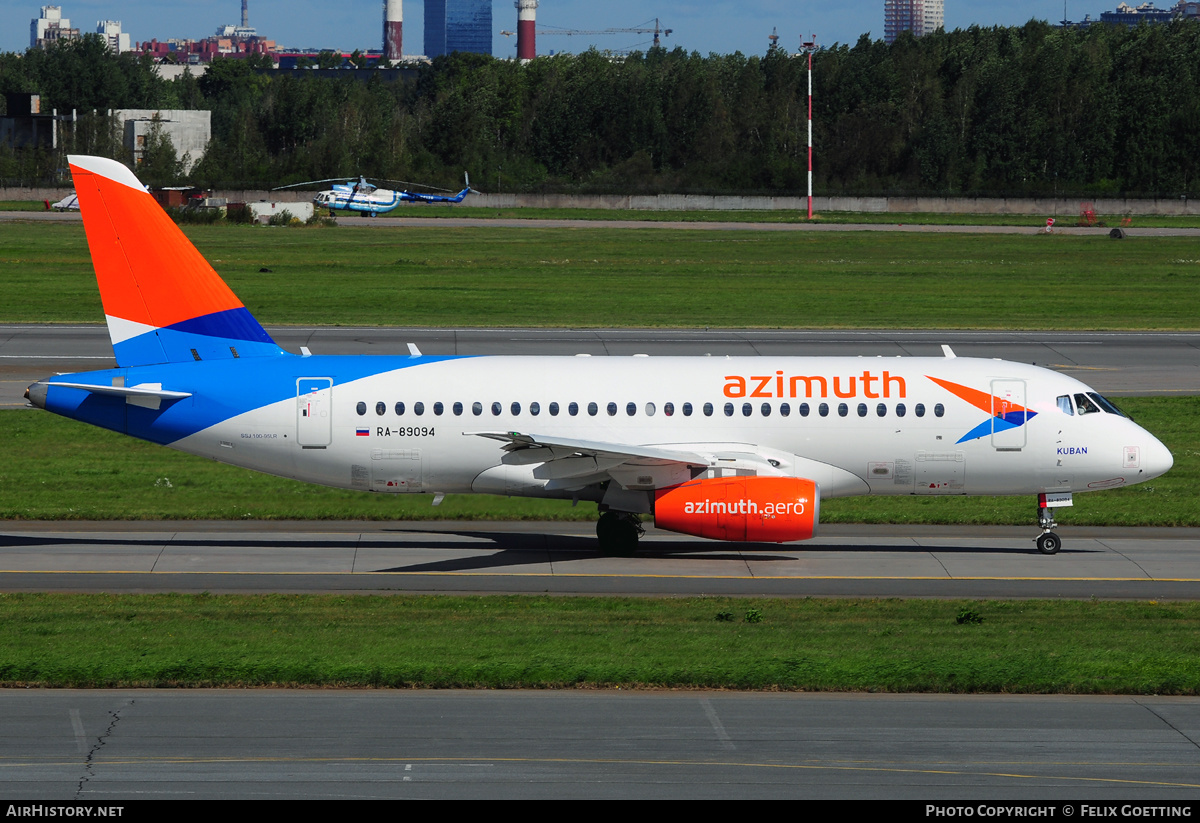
[618, 533]
[1047, 542]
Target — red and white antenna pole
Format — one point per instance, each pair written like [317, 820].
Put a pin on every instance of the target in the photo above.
[808, 47]
[526, 29]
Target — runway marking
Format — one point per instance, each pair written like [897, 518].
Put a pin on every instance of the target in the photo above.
[842, 767]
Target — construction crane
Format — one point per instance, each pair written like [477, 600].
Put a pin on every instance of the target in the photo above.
[644, 28]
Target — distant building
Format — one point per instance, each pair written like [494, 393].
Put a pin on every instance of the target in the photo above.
[1126, 15]
[458, 25]
[189, 131]
[50, 27]
[229, 41]
[920, 17]
[110, 30]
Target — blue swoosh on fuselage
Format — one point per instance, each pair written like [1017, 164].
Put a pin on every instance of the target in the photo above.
[220, 390]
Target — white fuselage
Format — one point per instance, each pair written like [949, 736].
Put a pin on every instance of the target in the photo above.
[854, 425]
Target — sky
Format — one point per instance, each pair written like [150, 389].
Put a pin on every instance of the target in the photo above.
[721, 26]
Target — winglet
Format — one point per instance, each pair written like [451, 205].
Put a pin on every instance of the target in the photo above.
[163, 302]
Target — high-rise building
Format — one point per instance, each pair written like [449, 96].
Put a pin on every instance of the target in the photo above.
[51, 26]
[110, 32]
[458, 25]
[917, 16]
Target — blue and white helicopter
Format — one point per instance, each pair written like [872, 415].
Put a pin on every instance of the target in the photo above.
[350, 196]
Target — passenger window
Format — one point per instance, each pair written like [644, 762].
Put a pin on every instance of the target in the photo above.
[802, 409]
[573, 409]
[515, 408]
[438, 408]
[593, 409]
[920, 409]
[843, 410]
[496, 409]
[1064, 404]
[766, 409]
[1084, 405]
[612, 409]
[881, 410]
[729, 410]
[476, 408]
[900, 410]
[458, 409]
[784, 409]
[668, 409]
[939, 410]
[823, 409]
[649, 409]
[687, 409]
[399, 409]
[631, 409]
[747, 410]
[554, 410]
[708, 409]
[535, 408]
[361, 408]
[418, 409]
[862, 409]
[381, 408]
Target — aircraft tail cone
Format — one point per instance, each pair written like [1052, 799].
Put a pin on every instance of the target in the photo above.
[36, 394]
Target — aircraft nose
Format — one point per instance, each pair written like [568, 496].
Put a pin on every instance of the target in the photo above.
[1156, 459]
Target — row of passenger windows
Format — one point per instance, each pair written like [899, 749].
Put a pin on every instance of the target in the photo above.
[668, 409]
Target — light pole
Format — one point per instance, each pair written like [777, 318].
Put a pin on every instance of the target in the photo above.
[808, 47]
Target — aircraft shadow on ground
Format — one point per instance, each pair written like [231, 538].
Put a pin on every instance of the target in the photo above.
[493, 550]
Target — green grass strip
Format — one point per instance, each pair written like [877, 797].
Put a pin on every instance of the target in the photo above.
[173, 640]
[667, 278]
[57, 469]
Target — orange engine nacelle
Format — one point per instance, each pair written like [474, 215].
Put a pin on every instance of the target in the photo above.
[765, 509]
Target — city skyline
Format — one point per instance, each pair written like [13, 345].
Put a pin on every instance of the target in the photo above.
[720, 26]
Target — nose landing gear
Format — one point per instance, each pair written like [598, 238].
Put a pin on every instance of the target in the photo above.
[1047, 542]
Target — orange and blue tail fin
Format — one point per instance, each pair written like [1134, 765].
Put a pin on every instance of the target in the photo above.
[162, 300]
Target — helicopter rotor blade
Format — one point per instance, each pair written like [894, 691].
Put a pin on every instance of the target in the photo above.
[314, 182]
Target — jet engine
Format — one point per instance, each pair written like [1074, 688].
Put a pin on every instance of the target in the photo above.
[761, 509]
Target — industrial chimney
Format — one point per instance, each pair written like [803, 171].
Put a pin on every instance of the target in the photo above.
[393, 28]
[245, 14]
[526, 26]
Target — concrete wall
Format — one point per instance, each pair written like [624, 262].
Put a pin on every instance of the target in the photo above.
[1044, 207]
[189, 131]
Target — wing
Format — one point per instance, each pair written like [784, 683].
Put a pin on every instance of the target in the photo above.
[569, 464]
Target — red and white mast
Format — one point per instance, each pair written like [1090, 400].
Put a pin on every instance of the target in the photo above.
[526, 29]
[393, 29]
[808, 47]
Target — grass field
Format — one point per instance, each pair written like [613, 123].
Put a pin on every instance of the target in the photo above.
[52, 468]
[92, 641]
[57, 469]
[1033, 221]
[594, 277]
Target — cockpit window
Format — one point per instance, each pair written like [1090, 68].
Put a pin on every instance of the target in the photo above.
[1085, 405]
[1106, 404]
[1064, 404]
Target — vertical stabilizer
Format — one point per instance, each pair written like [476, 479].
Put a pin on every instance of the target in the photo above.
[162, 300]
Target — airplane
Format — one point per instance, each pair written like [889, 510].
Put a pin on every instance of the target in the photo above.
[366, 198]
[68, 203]
[728, 448]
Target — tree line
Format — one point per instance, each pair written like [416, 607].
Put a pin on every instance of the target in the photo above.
[1030, 110]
